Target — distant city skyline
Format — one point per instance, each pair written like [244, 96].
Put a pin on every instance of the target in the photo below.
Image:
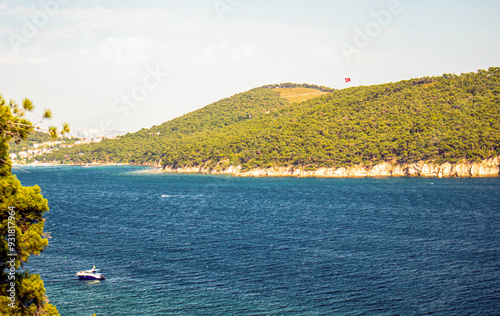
[94, 133]
[127, 65]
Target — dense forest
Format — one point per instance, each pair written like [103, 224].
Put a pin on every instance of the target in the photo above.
[441, 119]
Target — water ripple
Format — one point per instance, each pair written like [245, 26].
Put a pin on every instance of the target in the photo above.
[215, 245]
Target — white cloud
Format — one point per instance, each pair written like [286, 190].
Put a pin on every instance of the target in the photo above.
[129, 20]
[125, 51]
[19, 11]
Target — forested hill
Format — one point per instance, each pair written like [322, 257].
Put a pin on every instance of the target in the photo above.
[147, 146]
[441, 119]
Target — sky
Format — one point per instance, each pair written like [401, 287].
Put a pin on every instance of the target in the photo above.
[129, 65]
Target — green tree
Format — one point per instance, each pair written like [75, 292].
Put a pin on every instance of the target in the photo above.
[21, 220]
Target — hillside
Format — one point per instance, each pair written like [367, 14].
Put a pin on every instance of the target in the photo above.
[297, 95]
[17, 145]
[147, 146]
[435, 119]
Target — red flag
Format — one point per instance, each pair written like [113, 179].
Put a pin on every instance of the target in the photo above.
[347, 79]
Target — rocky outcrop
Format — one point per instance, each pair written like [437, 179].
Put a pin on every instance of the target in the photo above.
[488, 167]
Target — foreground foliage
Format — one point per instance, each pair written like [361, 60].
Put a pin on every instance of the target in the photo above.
[21, 224]
[448, 118]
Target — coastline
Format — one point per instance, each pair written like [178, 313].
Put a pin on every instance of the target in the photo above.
[55, 164]
[486, 168]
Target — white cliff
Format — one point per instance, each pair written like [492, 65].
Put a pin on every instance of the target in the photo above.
[488, 167]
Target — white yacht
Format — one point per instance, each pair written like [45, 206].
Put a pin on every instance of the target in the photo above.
[90, 274]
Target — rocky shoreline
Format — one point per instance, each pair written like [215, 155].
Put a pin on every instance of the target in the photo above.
[485, 168]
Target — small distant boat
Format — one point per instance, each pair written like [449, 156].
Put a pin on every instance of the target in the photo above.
[90, 274]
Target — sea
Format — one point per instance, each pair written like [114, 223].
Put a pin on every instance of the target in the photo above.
[188, 244]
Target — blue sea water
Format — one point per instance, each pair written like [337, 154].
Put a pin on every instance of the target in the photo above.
[174, 244]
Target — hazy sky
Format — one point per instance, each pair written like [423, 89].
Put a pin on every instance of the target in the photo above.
[133, 64]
